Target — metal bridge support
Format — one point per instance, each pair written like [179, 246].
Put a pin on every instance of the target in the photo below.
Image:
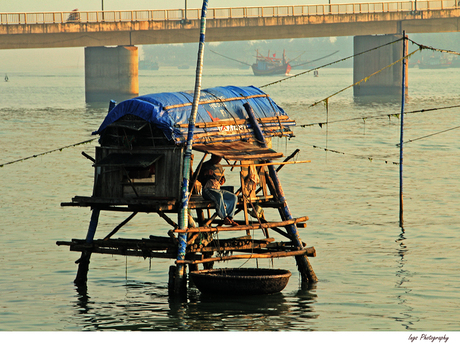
[111, 73]
[387, 82]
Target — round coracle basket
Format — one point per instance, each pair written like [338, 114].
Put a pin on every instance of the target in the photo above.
[249, 281]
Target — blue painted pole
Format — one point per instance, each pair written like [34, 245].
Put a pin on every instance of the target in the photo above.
[183, 214]
[304, 266]
[403, 91]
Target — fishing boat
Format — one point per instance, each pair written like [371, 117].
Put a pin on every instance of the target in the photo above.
[138, 168]
[270, 65]
[266, 65]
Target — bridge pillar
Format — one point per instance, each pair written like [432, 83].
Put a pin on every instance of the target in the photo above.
[386, 83]
[111, 73]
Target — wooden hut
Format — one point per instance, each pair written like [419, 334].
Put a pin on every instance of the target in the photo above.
[138, 168]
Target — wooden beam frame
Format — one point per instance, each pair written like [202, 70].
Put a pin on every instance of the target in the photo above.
[243, 227]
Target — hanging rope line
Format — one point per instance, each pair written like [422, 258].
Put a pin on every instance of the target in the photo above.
[429, 135]
[51, 151]
[364, 118]
[331, 63]
[370, 158]
[426, 47]
[365, 79]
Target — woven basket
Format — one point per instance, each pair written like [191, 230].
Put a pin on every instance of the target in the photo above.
[241, 281]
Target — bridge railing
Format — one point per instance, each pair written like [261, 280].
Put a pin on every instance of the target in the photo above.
[223, 13]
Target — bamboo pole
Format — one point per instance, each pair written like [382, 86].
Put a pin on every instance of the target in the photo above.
[180, 278]
[242, 227]
[270, 163]
[403, 91]
[212, 101]
[309, 251]
[304, 267]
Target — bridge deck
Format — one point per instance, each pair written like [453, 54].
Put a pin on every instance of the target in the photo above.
[104, 28]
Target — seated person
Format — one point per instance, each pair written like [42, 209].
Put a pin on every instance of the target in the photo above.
[211, 178]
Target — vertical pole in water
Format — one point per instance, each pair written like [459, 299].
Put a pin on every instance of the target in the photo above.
[179, 281]
[304, 266]
[403, 91]
[83, 262]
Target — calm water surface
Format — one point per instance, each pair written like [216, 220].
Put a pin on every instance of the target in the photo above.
[374, 276]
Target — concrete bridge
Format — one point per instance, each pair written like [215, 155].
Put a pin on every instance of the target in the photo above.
[126, 29]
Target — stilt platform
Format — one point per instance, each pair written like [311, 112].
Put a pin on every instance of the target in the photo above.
[166, 247]
[142, 166]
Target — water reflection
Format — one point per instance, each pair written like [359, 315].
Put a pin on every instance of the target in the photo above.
[147, 306]
[258, 312]
[406, 317]
[381, 99]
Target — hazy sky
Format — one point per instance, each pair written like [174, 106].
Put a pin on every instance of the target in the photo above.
[27, 59]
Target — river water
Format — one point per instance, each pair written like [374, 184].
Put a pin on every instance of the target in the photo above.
[373, 274]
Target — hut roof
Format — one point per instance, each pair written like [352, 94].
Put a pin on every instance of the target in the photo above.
[220, 110]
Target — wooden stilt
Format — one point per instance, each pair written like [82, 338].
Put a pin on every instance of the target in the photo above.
[304, 266]
[83, 262]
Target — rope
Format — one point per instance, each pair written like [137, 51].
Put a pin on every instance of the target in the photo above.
[426, 47]
[370, 158]
[51, 151]
[429, 135]
[378, 116]
[365, 79]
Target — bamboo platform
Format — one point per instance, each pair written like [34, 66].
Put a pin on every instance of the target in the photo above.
[166, 247]
[203, 243]
[152, 204]
[145, 165]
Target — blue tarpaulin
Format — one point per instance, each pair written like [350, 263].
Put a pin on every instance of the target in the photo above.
[167, 111]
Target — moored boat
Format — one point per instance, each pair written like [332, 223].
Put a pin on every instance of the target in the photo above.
[271, 65]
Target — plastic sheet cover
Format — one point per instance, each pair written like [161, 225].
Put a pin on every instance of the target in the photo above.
[152, 108]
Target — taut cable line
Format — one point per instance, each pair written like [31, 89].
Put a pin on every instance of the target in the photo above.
[365, 79]
[429, 135]
[363, 118]
[50, 151]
